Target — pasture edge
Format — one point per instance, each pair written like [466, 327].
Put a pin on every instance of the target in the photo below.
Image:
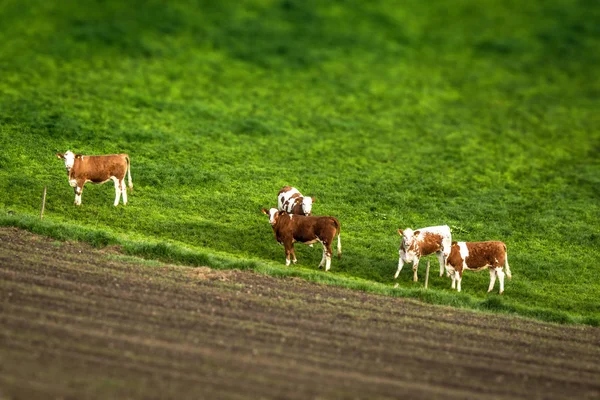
[179, 254]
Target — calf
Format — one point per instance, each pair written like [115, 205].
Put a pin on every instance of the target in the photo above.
[476, 256]
[290, 200]
[97, 169]
[290, 228]
[422, 242]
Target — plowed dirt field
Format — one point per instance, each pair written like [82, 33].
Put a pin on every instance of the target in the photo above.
[76, 322]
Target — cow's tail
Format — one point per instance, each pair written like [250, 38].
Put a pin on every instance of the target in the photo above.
[129, 173]
[336, 224]
[506, 266]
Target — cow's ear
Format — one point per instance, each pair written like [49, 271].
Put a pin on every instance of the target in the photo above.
[60, 155]
[78, 155]
[265, 211]
[313, 199]
[417, 233]
[454, 243]
[400, 232]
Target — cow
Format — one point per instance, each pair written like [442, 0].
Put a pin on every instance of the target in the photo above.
[290, 228]
[476, 256]
[422, 242]
[290, 200]
[97, 169]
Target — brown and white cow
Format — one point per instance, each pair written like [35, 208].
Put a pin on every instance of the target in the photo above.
[476, 256]
[290, 228]
[97, 169]
[421, 243]
[290, 200]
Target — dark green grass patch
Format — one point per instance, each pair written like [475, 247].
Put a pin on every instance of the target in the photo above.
[480, 116]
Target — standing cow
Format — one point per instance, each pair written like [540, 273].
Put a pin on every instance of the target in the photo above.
[476, 256]
[97, 169]
[290, 200]
[422, 242]
[290, 228]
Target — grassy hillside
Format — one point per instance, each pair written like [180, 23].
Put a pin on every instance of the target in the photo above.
[480, 115]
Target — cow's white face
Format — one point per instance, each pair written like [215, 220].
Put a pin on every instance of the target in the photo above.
[307, 205]
[407, 248]
[273, 215]
[69, 158]
[408, 236]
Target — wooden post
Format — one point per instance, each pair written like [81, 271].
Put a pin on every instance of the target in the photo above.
[427, 274]
[43, 203]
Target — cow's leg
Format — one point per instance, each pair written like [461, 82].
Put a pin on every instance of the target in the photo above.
[500, 274]
[492, 279]
[78, 190]
[328, 257]
[458, 280]
[124, 191]
[415, 267]
[117, 190]
[324, 256]
[453, 277]
[288, 253]
[440, 257]
[294, 260]
[446, 267]
[400, 265]
[446, 246]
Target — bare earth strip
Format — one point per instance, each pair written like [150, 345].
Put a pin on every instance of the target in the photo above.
[81, 323]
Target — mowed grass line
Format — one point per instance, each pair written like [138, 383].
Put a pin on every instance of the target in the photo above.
[393, 115]
[185, 255]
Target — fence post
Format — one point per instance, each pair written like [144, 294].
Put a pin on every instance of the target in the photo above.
[43, 203]
[427, 275]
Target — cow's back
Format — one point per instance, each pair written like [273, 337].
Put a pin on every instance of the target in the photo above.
[442, 230]
[289, 199]
[309, 227]
[482, 254]
[430, 242]
[285, 189]
[433, 239]
[99, 169]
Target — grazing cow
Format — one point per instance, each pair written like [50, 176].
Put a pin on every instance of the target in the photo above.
[290, 228]
[290, 200]
[422, 242]
[476, 256]
[97, 169]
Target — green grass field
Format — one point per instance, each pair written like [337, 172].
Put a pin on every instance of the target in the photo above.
[483, 115]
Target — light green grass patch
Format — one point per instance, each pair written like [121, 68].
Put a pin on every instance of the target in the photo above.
[480, 116]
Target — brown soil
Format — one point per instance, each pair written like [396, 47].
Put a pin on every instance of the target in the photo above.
[82, 323]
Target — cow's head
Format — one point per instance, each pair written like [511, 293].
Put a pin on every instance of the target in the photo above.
[307, 203]
[452, 254]
[273, 214]
[69, 158]
[408, 245]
